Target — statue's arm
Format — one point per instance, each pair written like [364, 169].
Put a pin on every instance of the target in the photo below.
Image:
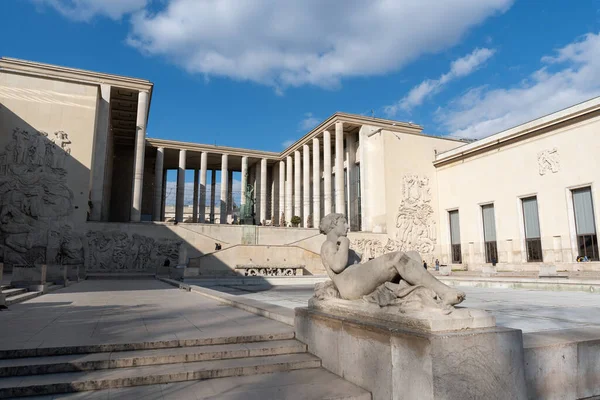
[337, 258]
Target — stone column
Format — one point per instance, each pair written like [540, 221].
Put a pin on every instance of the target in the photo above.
[306, 184]
[2, 296]
[230, 197]
[327, 173]
[244, 182]
[274, 189]
[138, 160]
[195, 199]
[289, 185]
[202, 200]
[164, 196]
[297, 184]
[282, 193]
[213, 188]
[158, 184]
[180, 192]
[99, 155]
[224, 176]
[316, 202]
[263, 189]
[339, 168]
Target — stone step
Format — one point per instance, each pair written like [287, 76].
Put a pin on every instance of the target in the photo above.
[148, 345]
[305, 384]
[126, 359]
[19, 298]
[4, 287]
[153, 374]
[13, 291]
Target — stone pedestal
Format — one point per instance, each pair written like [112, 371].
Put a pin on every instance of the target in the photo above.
[547, 270]
[56, 274]
[31, 277]
[393, 361]
[73, 273]
[445, 270]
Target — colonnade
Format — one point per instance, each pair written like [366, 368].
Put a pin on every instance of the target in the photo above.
[303, 183]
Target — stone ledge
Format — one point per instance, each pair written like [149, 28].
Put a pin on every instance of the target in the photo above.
[271, 311]
[459, 319]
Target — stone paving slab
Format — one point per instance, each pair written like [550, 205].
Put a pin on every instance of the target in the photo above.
[98, 312]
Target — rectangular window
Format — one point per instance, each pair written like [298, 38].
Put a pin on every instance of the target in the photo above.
[489, 233]
[587, 240]
[533, 240]
[455, 237]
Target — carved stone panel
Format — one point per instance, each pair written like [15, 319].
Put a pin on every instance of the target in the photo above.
[548, 161]
[415, 225]
[373, 248]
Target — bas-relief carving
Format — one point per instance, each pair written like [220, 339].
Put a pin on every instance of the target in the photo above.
[35, 200]
[373, 248]
[548, 160]
[117, 251]
[414, 221]
[35, 206]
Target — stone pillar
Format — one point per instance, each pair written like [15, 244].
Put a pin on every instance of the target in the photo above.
[327, 173]
[99, 154]
[230, 197]
[351, 184]
[202, 200]
[138, 160]
[297, 184]
[224, 176]
[263, 189]
[158, 184]
[273, 190]
[306, 184]
[213, 188]
[244, 182]
[164, 195]
[2, 296]
[289, 185]
[195, 199]
[316, 202]
[282, 193]
[339, 168]
[180, 192]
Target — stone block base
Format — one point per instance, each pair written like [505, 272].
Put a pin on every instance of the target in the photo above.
[73, 273]
[30, 277]
[489, 271]
[395, 362]
[56, 274]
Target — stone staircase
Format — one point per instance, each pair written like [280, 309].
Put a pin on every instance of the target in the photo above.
[18, 295]
[267, 362]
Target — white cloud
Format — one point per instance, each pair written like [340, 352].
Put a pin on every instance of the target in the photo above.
[293, 43]
[569, 77]
[309, 122]
[171, 192]
[85, 10]
[458, 69]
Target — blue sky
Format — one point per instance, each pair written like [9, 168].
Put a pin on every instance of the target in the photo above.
[260, 73]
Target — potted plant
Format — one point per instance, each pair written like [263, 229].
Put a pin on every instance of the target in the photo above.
[295, 221]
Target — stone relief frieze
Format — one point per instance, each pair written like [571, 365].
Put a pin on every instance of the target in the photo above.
[548, 161]
[35, 206]
[35, 199]
[117, 251]
[416, 228]
[369, 249]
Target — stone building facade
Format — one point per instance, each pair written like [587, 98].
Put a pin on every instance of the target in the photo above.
[81, 183]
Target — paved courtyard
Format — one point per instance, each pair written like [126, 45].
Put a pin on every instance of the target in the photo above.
[123, 311]
[528, 310]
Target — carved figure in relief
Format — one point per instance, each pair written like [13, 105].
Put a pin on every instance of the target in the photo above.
[414, 221]
[373, 248]
[376, 280]
[548, 160]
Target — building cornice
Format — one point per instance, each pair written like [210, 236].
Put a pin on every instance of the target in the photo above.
[519, 133]
[234, 151]
[72, 74]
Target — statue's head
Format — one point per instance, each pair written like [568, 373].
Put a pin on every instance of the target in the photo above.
[334, 222]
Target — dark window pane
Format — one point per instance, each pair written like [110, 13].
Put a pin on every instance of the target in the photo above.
[588, 247]
[456, 254]
[534, 250]
[491, 252]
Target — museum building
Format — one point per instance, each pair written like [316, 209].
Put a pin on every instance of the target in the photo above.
[82, 184]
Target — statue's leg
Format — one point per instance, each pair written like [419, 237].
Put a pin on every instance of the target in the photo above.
[410, 268]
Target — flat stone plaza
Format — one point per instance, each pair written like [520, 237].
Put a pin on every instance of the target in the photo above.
[528, 310]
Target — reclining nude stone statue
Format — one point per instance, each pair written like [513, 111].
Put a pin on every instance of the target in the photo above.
[396, 281]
